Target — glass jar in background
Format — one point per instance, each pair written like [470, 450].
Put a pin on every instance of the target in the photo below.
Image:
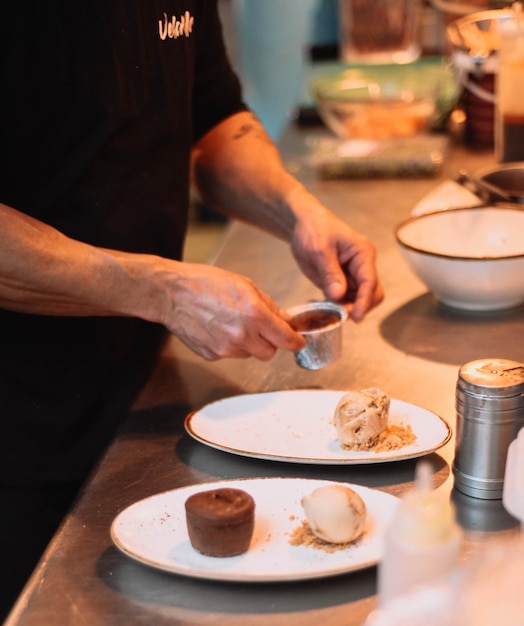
[380, 32]
[509, 89]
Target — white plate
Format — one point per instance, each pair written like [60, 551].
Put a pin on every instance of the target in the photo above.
[154, 532]
[297, 426]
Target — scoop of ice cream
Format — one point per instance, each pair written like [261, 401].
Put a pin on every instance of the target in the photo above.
[361, 416]
[335, 513]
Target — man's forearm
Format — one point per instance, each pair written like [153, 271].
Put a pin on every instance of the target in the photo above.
[44, 272]
[238, 170]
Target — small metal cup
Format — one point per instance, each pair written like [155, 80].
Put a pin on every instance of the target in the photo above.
[321, 325]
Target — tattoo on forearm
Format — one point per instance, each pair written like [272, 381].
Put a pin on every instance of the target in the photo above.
[252, 128]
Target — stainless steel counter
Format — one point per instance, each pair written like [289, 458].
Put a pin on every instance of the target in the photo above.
[409, 346]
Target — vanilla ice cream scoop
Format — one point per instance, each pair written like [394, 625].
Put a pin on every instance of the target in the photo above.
[361, 416]
[335, 513]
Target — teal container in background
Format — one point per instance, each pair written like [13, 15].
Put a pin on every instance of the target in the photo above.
[269, 43]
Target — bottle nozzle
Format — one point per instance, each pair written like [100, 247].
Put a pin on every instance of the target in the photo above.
[425, 516]
[423, 477]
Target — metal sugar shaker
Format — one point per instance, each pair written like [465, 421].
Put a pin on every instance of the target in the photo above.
[490, 412]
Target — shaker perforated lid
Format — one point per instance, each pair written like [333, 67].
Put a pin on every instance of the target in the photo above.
[496, 377]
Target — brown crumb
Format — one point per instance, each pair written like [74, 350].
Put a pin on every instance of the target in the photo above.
[303, 536]
[395, 436]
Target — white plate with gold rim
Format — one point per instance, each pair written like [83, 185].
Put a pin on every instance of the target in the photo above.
[296, 426]
[153, 532]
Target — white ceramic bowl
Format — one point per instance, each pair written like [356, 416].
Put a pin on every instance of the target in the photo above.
[469, 258]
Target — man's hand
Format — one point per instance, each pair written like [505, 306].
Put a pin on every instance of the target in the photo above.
[219, 314]
[338, 260]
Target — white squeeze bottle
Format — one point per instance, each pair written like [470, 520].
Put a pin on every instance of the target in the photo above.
[423, 542]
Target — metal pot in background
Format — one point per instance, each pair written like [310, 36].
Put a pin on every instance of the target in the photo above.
[509, 177]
